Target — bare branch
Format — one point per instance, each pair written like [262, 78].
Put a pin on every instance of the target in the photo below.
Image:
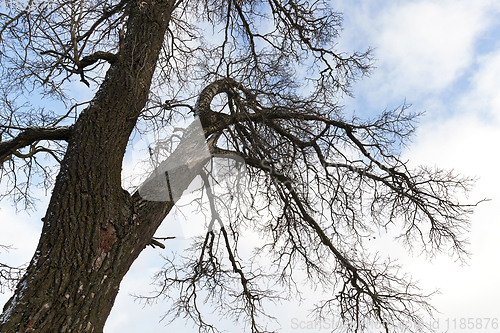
[30, 136]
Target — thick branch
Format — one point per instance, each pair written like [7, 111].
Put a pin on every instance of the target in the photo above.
[31, 135]
[99, 55]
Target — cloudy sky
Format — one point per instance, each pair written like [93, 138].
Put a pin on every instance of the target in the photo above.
[443, 57]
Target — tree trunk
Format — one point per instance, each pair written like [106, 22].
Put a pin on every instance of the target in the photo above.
[93, 229]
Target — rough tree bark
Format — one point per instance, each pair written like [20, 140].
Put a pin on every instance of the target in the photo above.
[103, 228]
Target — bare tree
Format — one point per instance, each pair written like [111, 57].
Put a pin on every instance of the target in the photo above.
[263, 83]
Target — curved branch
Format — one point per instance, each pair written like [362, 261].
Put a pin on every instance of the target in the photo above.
[99, 55]
[31, 135]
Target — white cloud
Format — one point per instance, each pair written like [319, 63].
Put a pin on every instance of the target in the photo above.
[483, 97]
[428, 44]
[422, 47]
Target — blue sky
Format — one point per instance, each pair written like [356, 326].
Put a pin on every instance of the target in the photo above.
[443, 57]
